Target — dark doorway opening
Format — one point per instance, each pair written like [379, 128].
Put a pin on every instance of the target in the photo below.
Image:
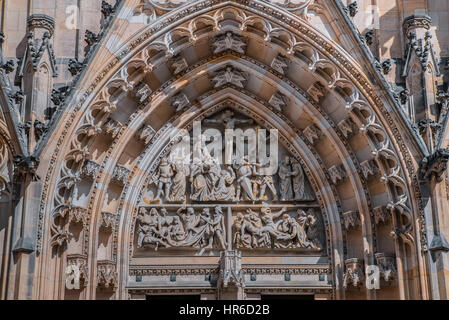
[287, 297]
[169, 297]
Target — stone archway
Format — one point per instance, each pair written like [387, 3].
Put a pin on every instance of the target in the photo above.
[300, 84]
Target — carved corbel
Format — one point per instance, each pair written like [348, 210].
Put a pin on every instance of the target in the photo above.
[112, 127]
[229, 41]
[313, 133]
[280, 64]
[78, 215]
[107, 275]
[347, 127]
[354, 274]
[381, 214]
[229, 75]
[142, 92]
[120, 175]
[145, 134]
[369, 168]
[317, 91]
[180, 101]
[77, 271]
[107, 222]
[387, 266]
[337, 174]
[279, 101]
[179, 64]
[90, 169]
[352, 220]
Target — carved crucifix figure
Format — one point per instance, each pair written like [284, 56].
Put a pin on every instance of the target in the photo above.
[228, 120]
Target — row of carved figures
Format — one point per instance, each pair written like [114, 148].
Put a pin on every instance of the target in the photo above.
[204, 229]
[241, 181]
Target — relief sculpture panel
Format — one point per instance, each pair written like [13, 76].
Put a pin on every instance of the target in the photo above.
[201, 200]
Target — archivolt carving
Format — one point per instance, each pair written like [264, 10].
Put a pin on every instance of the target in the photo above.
[361, 112]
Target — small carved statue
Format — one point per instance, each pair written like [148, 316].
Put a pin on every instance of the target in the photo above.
[163, 179]
[285, 184]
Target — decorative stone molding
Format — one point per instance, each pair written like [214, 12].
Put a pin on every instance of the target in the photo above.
[280, 64]
[435, 165]
[107, 222]
[387, 266]
[120, 175]
[229, 75]
[352, 220]
[279, 101]
[90, 169]
[107, 275]
[145, 134]
[230, 273]
[279, 270]
[416, 22]
[229, 41]
[369, 168]
[347, 127]
[80, 262]
[381, 214]
[354, 274]
[313, 133]
[180, 101]
[337, 173]
[317, 91]
[182, 270]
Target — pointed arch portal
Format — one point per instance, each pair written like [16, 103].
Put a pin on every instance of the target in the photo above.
[136, 223]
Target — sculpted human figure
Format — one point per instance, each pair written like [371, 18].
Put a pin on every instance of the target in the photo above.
[298, 180]
[225, 189]
[149, 231]
[228, 120]
[256, 237]
[308, 222]
[262, 182]
[178, 192]
[285, 184]
[270, 226]
[214, 229]
[244, 173]
[163, 179]
[297, 235]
